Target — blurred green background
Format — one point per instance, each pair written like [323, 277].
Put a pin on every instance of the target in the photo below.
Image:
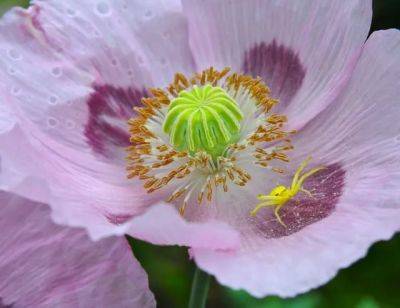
[370, 283]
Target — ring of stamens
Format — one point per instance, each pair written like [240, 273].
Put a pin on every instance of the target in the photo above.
[195, 175]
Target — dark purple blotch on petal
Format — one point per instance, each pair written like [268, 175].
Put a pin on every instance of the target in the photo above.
[326, 187]
[280, 68]
[109, 109]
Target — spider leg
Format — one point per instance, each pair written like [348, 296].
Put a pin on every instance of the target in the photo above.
[276, 212]
[277, 206]
[306, 175]
[261, 205]
[298, 172]
[269, 198]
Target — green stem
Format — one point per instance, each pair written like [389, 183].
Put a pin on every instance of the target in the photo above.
[200, 286]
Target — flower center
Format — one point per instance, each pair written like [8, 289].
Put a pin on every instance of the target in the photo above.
[204, 135]
[203, 119]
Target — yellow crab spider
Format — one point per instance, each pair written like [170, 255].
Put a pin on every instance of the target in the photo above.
[279, 195]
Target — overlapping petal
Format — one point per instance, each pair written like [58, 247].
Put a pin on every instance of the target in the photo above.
[360, 133]
[45, 265]
[56, 55]
[305, 50]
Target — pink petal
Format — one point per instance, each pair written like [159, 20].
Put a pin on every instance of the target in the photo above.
[361, 129]
[162, 225]
[56, 57]
[76, 197]
[304, 260]
[7, 119]
[103, 209]
[44, 265]
[305, 50]
[118, 41]
[17, 172]
[359, 132]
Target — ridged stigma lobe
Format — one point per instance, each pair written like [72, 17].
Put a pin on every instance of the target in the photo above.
[204, 118]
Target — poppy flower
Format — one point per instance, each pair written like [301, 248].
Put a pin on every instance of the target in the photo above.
[262, 135]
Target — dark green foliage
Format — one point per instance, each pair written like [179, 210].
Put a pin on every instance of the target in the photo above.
[373, 282]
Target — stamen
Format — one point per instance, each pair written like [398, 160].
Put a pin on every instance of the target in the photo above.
[199, 132]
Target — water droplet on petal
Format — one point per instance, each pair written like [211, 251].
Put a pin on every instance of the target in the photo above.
[53, 100]
[52, 122]
[56, 72]
[71, 12]
[11, 71]
[96, 33]
[14, 55]
[16, 91]
[103, 9]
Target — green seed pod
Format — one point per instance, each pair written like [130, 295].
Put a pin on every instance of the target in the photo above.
[204, 118]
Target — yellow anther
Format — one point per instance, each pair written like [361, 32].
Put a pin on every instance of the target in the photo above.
[279, 195]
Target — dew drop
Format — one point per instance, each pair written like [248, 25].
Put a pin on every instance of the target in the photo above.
[11, 71]
[52, 122]
[14, 55]
[103, 9]
[71, 12]
[56, 71]
[16, 91]
[53, 100]
[130, 73]
[114, 62]
[96, 33]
